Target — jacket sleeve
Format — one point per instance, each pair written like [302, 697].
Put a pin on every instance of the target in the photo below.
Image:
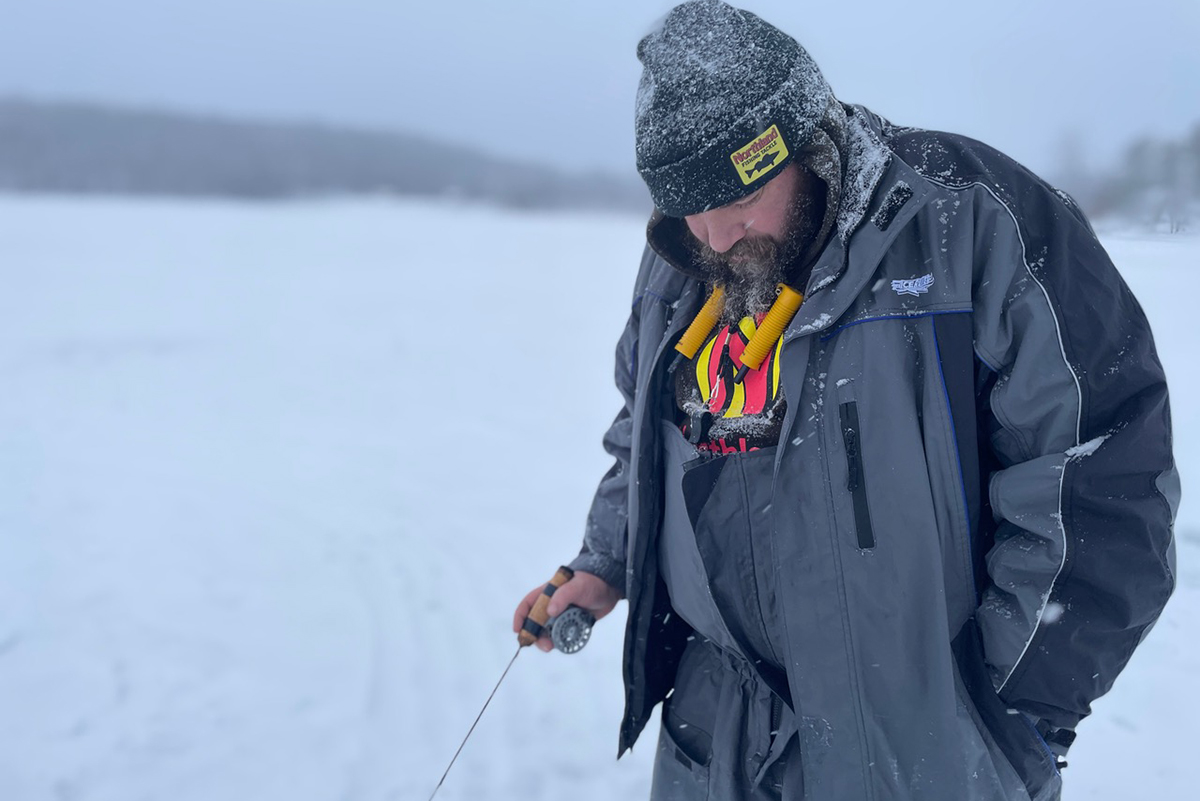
[1078, 422]
[605, 535]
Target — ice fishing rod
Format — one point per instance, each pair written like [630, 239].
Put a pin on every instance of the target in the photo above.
[569, 632]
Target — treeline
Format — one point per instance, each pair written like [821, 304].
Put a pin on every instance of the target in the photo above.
[1156, 183]
[81, 148]
[84, 148]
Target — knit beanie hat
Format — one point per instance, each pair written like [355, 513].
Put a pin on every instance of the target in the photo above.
[726, 100]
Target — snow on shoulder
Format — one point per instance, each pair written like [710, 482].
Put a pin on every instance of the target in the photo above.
[866, 160]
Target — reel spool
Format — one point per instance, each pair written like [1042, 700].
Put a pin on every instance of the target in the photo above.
[570, 631]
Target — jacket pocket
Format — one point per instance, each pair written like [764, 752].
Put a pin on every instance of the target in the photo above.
[1010, 736]
[989, 774]
[856, 476]
[680, 771]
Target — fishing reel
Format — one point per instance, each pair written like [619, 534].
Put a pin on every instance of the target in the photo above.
[568, 631]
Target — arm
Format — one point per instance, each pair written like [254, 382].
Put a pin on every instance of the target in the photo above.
[604, 540]
[599, 580]
[1084, 500]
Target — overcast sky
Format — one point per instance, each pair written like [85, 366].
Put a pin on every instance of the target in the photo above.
[554, 80]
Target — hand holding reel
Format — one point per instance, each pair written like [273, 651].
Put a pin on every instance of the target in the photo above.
[568, 631]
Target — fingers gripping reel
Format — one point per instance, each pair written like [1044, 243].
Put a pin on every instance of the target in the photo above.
[568, 631]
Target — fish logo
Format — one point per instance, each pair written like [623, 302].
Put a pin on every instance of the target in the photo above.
[760, 156]
[913, 286]
[764, 164]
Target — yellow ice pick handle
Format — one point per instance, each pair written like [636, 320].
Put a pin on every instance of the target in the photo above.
[538, 617]
[770, 329]
[705, 321]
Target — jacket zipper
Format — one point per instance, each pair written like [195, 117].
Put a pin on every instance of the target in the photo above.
[856, 479]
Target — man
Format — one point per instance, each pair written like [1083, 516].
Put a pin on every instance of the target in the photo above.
[898, 551]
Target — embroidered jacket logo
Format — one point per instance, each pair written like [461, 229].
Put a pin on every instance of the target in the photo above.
[913, 286]
[760, 155]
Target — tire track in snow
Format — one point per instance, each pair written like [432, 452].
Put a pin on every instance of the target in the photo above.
[463, 642]
[421, 675]
[363, 773]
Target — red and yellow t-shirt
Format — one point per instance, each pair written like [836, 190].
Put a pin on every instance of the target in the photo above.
[722, 416]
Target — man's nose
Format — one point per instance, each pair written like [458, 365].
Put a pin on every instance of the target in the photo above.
[723, 231]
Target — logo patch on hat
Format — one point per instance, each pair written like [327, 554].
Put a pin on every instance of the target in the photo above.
[760, 155]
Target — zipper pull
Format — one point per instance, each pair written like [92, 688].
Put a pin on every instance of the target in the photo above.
[852, 459]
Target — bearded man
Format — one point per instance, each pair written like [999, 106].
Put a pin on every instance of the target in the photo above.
[892, 541]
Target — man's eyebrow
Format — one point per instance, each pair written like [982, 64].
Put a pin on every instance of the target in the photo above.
[751, 198]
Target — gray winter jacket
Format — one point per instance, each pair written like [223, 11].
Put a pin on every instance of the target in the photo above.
[972, 495]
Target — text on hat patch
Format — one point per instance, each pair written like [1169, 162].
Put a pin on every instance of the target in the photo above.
[760, 155]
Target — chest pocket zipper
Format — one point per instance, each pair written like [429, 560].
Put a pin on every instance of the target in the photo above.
[856, 479]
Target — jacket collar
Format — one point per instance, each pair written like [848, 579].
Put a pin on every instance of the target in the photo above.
[847, 264]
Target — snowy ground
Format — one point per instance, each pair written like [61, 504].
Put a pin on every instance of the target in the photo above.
[272, 478]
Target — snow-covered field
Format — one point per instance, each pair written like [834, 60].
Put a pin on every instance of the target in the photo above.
[273, 477]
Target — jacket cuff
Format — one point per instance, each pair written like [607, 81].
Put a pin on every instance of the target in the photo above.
[612, 571]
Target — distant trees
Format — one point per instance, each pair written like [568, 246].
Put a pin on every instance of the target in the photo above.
[1156, 183]
[58, 147]
[65, 147]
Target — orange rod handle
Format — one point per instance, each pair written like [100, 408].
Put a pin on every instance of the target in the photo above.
[771, 328]
[705, 321]
[532, 628]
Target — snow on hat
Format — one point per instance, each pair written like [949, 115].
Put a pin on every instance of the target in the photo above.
[726, 100]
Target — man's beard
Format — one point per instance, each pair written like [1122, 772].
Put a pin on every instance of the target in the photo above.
[751, 271]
